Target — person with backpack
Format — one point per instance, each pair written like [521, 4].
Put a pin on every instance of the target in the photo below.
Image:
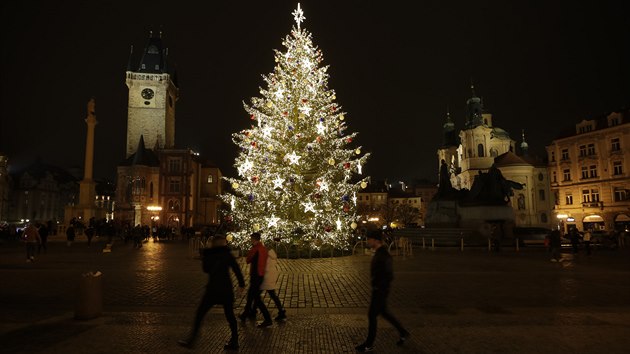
[217, 262]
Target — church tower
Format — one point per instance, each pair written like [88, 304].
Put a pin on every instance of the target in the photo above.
[152, 97]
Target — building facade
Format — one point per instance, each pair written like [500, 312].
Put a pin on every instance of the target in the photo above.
[4, 188]
[159, 183]
[382, 205]
[479, 146]
[590, 176]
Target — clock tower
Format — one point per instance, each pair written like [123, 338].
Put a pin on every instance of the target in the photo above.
[152, 97]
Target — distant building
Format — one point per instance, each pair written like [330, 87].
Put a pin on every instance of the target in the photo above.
[381, 204]
[159, 183]
[4, 188]
[426, 190]
[590, 173]
[40, 192]
[480, 145]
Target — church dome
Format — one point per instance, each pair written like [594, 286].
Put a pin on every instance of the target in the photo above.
[499, 133]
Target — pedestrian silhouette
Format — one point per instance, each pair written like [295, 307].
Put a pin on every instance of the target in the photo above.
[257, 259]
[217, 262]
[382, 274]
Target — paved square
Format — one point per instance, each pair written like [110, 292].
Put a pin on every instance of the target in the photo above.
[452, 302]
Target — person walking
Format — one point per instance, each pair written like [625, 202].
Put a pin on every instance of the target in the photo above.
[32, 239]
[555, 242]
[587, 242]
[43, 234]
[70, 235]
[257, 259]
[269, 283]
[89, 233]
[217, 262]
[574, 236]
[382, 274]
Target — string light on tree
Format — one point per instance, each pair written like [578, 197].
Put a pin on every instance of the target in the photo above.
[296, 165]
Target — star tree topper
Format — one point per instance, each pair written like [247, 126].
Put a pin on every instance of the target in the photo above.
[298, 16]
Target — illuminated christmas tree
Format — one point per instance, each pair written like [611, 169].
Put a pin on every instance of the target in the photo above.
[295, 164]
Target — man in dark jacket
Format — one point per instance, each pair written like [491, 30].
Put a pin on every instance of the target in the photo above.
[217, 262]
[382, 273]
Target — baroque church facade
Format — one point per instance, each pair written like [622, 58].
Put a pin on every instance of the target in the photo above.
[160, 183]
[479, 146]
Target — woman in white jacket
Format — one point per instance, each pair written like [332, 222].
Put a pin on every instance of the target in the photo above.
[269, 283]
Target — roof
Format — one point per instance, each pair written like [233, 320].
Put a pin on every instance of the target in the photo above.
[601, 123]
[153, 57]
[511, 159]
[142, 157]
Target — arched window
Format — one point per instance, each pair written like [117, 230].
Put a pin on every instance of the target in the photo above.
[480, 151]
[210, 179]
[543, 217]
[173, 205]
[494, 152]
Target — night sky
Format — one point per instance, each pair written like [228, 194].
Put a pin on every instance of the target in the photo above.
[396, 66]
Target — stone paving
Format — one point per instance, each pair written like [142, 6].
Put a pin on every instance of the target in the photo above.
[451, 301]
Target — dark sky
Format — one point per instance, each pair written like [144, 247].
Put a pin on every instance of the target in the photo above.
[541, 66]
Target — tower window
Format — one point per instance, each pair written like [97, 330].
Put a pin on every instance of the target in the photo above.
[480, 150]
[210, 179]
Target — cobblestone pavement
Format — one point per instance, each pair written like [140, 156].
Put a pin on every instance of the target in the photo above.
[451, 301]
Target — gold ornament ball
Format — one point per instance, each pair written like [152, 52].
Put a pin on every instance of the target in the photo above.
[235, 185]
[256, 227]
[341, 117]
[353, 225]
[270, 147]
[269, 104]
[357, 151]
[363, 185]
[229, 237]
[331, 161]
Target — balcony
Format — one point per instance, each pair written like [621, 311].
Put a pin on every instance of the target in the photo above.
[599, 204]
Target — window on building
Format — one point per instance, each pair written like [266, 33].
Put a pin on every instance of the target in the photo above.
[586, 196]
[480, 151]
[584, 172]
[615, 145]
[582, 150]
[210, 179]
[173, 205]
[595, 195]
[613, 122]
[554, 176]
[590, 149]
[543, 217]
[541, 194]
[617, 168]
[553, 156]
[565, 154]
[566, 174]
[540, 176]
[568, 199]
[174, 186]
[556, 198]
[620, 194]
[174, 165]
[592, 171]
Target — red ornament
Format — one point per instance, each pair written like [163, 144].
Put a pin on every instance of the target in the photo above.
[285, 113]
[253, 117]
[317, 195]
[327, 228]
[346, 207]
[253, 143]
[246, 133]
[255, 179]
[349, 140]
[346, 165]
[319, 139]
[304, 100]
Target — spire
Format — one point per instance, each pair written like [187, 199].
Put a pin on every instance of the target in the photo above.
[474, 109]
[472, 87]
[524, 145]
[154, 56]
[130, 56]
[140, 152]
[449, 136]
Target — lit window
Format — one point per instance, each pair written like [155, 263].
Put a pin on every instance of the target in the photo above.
[569, 199]
[620, 194]
[595, 195]
[210, 178]
[586, 196]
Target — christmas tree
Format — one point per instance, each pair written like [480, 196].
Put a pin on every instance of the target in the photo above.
[296, 167]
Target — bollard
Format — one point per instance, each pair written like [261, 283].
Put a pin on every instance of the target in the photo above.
[517, 249]
[432, 244]
[462, 245]
[89, 296]
[423, 246]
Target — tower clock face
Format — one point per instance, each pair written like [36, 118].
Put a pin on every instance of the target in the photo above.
[147, 93]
